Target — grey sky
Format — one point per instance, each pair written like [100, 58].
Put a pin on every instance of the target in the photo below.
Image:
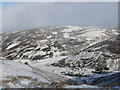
[31, 15]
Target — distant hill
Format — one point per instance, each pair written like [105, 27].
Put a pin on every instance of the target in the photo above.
[47, 42]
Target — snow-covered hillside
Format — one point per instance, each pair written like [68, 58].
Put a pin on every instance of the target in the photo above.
[47, 42]
[103, 54]
[19, 75]
[60, 56]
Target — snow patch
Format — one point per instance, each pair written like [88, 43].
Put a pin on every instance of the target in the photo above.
[66, 35]
[54, 32]
[13, 45]
[93, 34]
[70, 29]
[49, 37]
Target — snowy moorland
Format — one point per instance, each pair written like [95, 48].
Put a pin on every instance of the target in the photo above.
[60, 57]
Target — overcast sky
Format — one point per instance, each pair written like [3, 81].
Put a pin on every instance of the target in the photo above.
[27, 15]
